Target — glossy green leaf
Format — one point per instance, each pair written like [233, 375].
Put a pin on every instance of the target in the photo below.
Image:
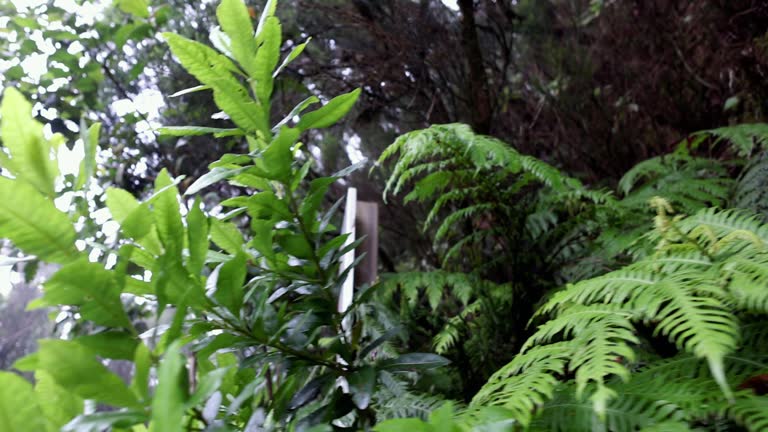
[166, 212]
[215, 70]
[168, 405]
[142, 360]
[91, 143]
[277, 159]
[266, 205]
[318, 188]
[226, 236]
[120, 203]
[90, 286]
[198, 130]
[75, 368]
[134, 218]
[30, 152]
[298, 109]
[266, 59]
[236, 22]
[197, 233]
[19, 409]
[111, 344]
[212, 177]
[295, 52]
[330, 113]
[59, 405]
[182, 93]
[139, 8]
[262, 237]
[22, 212]
[229, 279]
[174, 285]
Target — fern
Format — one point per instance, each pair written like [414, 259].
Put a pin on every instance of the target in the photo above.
[520, 393]
[707, 275]
[478, 179]
[751, 412]
[744, 137]
[394, 400]
[445, 291]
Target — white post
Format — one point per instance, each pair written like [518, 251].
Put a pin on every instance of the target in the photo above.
[348, 227]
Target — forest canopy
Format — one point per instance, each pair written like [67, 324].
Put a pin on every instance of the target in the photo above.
[571, 229]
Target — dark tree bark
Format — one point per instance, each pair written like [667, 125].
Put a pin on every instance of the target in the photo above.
[478, 80]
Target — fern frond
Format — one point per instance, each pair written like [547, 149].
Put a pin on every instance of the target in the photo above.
[395, 400]
[614, 287]
[452, 195]
[701, 325]
[449, 335]
[523, 393]
[464, 213]
[751, 191]
[744, 137]
[724, 222]
[750, 412]
[566, 413]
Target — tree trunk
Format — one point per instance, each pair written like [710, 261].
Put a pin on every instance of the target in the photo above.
[480, 110]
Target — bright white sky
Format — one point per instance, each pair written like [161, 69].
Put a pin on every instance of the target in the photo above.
[451, 4]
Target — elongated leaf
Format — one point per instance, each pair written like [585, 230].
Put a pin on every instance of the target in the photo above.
[214, 69]
[278, 158]
[134, 218]
[120, 203]
[413, 361]
[58, 404]
[245, 112]
[197, 232]
[298, 109]
[198, 130]
[91, 144]
[139, 8]
[295, 52]
[142, 361]
[330, 113]
[167, 215]
[90, 286]
[203, 62]
[211, 177]
[229, 283]
[118, 345]
[75, 368]
[267, 12]
[226, 236]
[168, 405]
[190, 90]
[236, 22]
[34, 224]
[266, 59]
[174, 284]
[23, 137]
[19, 410]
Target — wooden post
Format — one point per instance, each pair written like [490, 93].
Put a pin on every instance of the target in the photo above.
[367, 224]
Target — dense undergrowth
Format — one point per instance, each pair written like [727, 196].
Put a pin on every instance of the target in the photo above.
[556, 306]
